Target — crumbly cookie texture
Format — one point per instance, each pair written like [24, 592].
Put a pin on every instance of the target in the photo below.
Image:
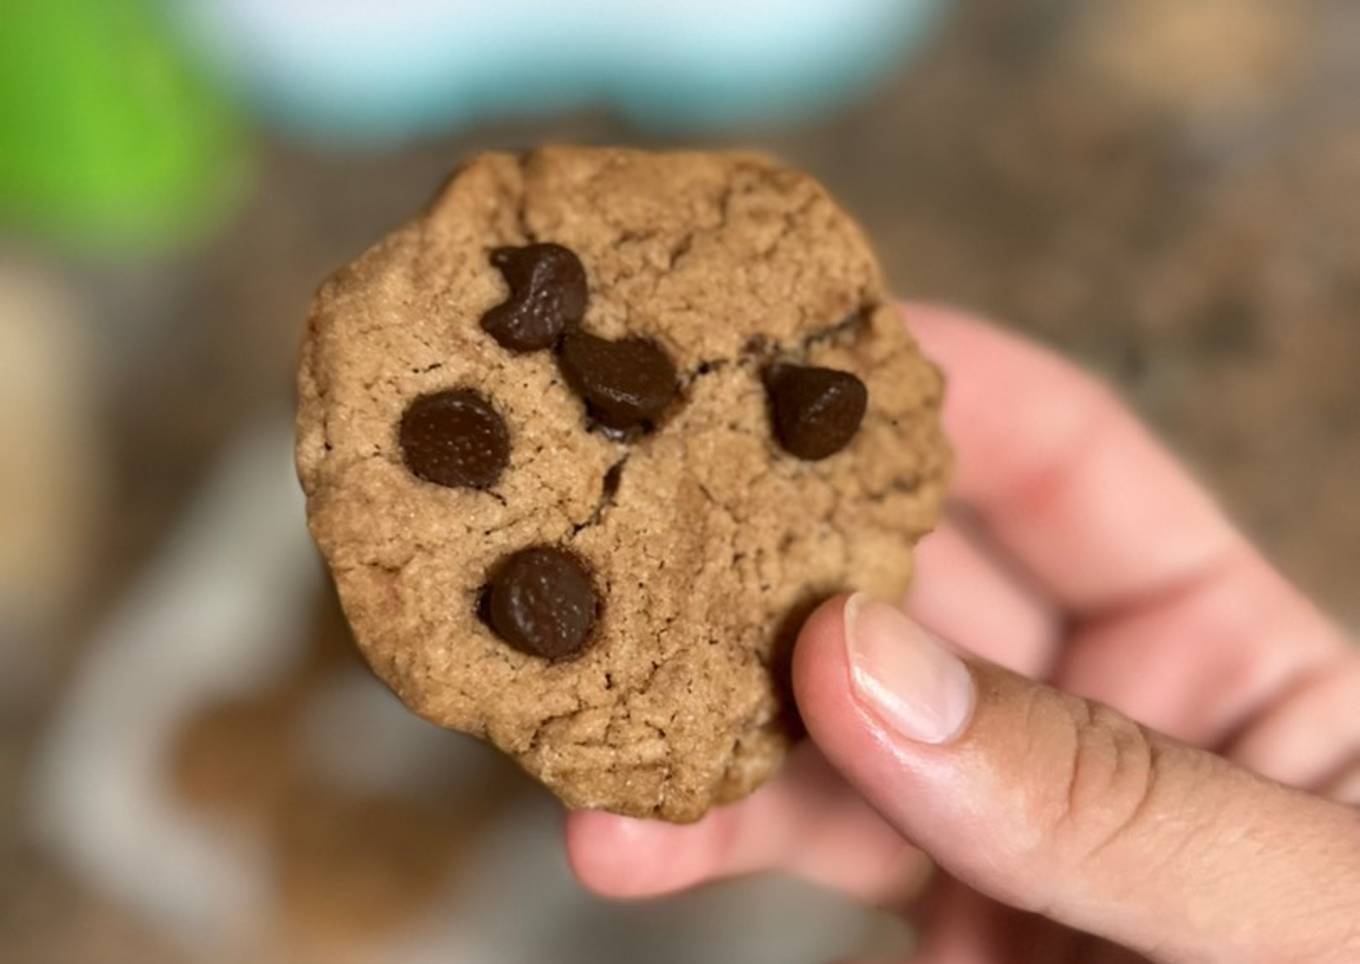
[706, 540]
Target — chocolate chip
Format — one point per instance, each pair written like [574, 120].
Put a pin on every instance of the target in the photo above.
[455, 438]
[816, 410]
[541, 601]
[626, 384]
[547, 295]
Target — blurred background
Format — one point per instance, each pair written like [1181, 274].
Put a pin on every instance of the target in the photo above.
[194, 766]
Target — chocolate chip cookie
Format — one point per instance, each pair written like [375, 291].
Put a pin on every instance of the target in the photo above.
[584, 441]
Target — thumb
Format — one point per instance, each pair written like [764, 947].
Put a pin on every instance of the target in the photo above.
[1064, 807]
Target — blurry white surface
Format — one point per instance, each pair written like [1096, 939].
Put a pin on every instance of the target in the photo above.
[219, 610]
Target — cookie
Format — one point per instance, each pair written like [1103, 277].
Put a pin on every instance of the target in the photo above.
[584, 441]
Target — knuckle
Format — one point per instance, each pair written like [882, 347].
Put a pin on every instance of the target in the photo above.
[1107, 773]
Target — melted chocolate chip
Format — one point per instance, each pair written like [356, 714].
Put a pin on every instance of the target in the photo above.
[542, 601]
[626, 384]
[455, 438]
[816, 410]
[547, 295]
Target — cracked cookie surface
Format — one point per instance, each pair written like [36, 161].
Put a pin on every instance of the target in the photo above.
[704, 537]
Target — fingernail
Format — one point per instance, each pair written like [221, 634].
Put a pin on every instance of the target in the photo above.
[904, 675]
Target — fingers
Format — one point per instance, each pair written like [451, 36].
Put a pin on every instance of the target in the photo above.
[806, 822]
[1178, 621]
[1063, 476]
[1059, 806]
[1346, 787]
[1311, 735]
[1201, 662]
[965, 592]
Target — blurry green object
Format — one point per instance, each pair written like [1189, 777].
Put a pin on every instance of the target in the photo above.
[107, 135]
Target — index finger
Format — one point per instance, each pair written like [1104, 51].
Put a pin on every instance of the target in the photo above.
[1062, 475]
[1180, 622]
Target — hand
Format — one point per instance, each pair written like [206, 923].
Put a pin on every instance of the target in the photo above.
[1213, 829]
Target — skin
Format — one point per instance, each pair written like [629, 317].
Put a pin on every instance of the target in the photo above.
[1089, 583]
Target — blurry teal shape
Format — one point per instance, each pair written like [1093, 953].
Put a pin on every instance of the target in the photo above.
[107, 136]
[392, 68]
